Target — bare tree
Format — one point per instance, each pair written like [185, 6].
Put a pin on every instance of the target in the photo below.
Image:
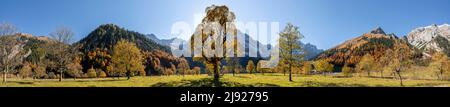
[61, 49]
[7, 29]
[400, 59]
[11, 53]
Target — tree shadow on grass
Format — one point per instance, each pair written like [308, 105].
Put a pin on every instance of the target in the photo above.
[322, 84]
[342, 76]
[22, 82]
[208, 82]
[242, 76]
[339, 76]
[99, 80]
[55, 81]
[432, 85]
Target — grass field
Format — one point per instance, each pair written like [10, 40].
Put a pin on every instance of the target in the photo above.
[240, 80]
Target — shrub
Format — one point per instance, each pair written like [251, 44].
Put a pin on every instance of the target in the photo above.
[91, 73]
[159, 70]
[323, 66]
[347, 71]
[45, 76]
[307, 68]
[51, 75]
[237, 69]
[196, 70]
[40, 72]
[84, 75]
[110, 70]
[142, 72]
[74, 70]
[25, 71]
[168, 71]
[250, 67]
[102, 74]
[74, 73]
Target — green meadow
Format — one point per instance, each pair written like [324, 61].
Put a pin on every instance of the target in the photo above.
[227, 80]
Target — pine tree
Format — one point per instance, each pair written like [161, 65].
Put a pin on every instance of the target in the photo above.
[290, 47]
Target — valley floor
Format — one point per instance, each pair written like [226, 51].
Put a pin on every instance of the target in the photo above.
[228, 80]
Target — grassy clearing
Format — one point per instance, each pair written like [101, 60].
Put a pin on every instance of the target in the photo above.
[330, 81]
[240, 80]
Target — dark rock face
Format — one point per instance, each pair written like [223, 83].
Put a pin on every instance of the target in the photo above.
[378, 30]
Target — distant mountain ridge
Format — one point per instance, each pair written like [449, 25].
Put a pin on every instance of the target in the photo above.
[165, 42]
[311, 51]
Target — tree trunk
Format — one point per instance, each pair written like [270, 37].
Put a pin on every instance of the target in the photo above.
[4, 74]
[381, 74]
[290, 72]
[216, 74]
[400, 77]
[441, 73]
[60, 75]
[233, 70]
[128, 73]
[34, 73]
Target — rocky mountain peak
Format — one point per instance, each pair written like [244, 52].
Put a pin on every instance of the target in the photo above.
[425, 37]
[378, 30]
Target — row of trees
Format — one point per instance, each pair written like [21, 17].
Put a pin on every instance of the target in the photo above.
[397, 61]
[55, 58]
[21, 53]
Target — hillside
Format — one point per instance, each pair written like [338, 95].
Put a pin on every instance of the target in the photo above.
[32, 43]
[431, 38]
[98, 44]
[105, 36]
[350, 52]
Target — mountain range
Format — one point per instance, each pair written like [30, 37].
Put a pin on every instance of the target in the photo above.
[426, 39]
[431, 38]
[350, 52]
[311, 50]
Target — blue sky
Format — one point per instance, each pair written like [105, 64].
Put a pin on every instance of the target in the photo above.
[325, 23]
